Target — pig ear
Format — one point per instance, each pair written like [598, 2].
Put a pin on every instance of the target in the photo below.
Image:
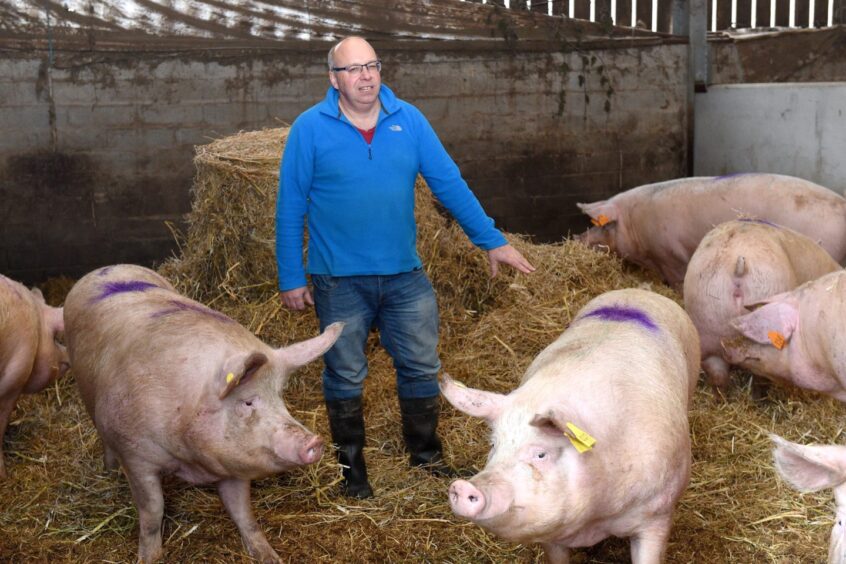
[300, 354]
[548, 424]
[809, 468]
[476, 403]
[601, 213]
[781, 317]
[37, 293]
[238, 369]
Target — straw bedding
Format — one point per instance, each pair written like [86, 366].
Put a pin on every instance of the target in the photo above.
[60, 505]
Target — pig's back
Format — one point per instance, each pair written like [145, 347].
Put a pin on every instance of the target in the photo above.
[633, 339]
[133, 339]
[680, 213]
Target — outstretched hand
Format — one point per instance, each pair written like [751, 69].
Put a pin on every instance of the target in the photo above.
[510, 256]
[298, 298]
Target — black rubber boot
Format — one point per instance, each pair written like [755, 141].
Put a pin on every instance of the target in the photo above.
[346, 422]
[419, 429]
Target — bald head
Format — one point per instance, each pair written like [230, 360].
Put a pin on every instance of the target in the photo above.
[348, 49]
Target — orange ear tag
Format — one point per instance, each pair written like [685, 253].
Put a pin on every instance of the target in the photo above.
[600, 220]
[777, 339]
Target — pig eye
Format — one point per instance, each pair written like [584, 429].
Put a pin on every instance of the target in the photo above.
[541, 455]
[249, 402]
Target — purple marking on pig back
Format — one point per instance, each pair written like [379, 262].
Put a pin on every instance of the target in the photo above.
[178, 307]
[103, 271]
[733, 175]
[623, 313]
[755, 220]
[122, 287]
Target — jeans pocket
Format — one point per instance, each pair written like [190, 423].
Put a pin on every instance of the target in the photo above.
[324, 282]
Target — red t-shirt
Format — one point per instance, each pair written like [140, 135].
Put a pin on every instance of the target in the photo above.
[367, 134]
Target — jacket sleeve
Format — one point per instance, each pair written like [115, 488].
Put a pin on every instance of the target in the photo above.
[295, 176]
[444, 179]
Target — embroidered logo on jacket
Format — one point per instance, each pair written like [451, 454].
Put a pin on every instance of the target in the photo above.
[395, 127]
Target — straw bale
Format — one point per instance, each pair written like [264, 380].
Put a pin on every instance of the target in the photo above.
[59, 505]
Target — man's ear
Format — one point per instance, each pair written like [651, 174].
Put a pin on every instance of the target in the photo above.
[333, 79]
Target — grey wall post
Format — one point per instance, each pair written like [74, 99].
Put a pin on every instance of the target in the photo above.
[698, 33]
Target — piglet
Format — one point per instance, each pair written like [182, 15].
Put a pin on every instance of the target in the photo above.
[594, 442]
[741, 262]
[814, 468]
[31, 353]
[658, 226]
[797, 337]
[174, 387]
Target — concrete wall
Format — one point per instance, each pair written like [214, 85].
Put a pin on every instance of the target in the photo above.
[97, 147]
[795, 129]
[782, 56]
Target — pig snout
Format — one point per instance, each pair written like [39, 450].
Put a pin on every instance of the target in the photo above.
[311, 451]
[297, 446]
[466, 500]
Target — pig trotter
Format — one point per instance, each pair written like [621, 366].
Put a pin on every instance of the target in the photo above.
[648, 545]
[346, 422]
[147, 492]
[717, 371]
[6, 406]
[556, 554]
[419, 429]
[235, 495]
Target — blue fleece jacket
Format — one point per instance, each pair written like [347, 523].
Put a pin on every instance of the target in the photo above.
[359, 198]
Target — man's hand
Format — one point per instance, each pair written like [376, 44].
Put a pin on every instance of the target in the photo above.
[298, 298]
[510, 256]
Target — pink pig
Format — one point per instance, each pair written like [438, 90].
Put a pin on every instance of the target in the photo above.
[177, 388]
[624, 373]
[797, 337]
[814, 468]
[659, 225]
[741, 262]
[31, 357]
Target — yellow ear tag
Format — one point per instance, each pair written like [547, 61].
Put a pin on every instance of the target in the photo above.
[777, 339]
[600, 220]
[580, 439]
[229, 378]
[459, 384]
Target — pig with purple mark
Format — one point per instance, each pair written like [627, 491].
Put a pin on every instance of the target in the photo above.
[31, 353]
[659, 226]
[623, 372]
[738, 263]
[176, 388]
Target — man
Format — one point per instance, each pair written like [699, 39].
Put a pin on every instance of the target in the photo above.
[349, 165]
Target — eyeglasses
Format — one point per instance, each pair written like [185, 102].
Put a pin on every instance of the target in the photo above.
[355, 70]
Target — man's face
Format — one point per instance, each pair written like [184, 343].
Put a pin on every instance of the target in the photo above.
[358, 91]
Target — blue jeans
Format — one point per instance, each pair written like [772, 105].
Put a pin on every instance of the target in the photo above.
[404, 309]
